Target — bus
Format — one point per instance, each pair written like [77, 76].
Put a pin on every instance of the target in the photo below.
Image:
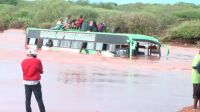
[118, 44]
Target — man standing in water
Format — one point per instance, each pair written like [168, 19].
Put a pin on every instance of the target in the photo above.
[32, 68]
[196, 81]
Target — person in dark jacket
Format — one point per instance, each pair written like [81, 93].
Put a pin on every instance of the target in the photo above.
[49, 43]
[32, 69]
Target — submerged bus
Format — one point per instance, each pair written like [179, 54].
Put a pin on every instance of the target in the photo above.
[118, 44]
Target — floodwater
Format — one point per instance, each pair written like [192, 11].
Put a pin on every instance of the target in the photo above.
[75, 82]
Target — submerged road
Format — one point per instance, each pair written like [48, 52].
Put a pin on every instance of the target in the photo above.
[89, 83]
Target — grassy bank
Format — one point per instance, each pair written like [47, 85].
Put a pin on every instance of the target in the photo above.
[179, 22]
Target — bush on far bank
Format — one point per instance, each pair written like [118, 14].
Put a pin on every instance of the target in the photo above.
[188, 32]
[1, 25]
[19, 23]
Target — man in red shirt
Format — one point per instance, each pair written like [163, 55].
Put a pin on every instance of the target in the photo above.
[32, 68]
[80, 22]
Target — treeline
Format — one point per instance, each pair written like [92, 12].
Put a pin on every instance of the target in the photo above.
[179, 21]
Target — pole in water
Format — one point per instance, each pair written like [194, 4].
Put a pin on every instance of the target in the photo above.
[132, 44]
[130, 48]
[167, 51]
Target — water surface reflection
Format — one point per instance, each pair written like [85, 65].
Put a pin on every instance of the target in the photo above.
[103, 76]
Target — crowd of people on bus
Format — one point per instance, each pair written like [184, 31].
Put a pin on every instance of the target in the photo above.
[79, 24]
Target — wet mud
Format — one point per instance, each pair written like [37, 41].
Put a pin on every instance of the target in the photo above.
[75, 82]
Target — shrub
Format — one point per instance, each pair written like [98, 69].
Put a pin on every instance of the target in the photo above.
[12, 2]
[6, 20]
[1, 25]
[7, 9]
[46, 25]
[109, 5]
[188, 32]
[50, 10]
[21, 14]
[134, 23]
[188, 14]
[142, 24]
[19, 23]
[87, 12]
[166, 20]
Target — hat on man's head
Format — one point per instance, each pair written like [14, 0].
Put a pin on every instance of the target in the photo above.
[31, 52]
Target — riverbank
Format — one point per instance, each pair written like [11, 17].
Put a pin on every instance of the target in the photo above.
[75, 82]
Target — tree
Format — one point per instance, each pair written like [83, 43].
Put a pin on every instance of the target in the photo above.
[82, 2]
[12, 2]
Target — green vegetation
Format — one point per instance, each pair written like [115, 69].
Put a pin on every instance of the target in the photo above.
[187, 32]
[180, 22]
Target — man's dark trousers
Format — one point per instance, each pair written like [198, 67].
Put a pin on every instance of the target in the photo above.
[36, 89]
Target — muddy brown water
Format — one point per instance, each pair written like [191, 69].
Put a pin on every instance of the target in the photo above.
[75, 82]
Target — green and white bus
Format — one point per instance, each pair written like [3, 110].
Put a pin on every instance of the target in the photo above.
[119, 44]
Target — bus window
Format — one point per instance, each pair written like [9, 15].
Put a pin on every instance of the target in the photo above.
[32, 41]
[90, 45]
[56, 43]
[76, 44]
[99, 46]
[65, 44]
[112, 47]
[105, 47]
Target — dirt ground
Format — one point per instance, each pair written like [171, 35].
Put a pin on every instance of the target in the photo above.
[189, 109]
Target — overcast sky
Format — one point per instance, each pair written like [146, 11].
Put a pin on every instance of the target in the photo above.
[148, 1]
